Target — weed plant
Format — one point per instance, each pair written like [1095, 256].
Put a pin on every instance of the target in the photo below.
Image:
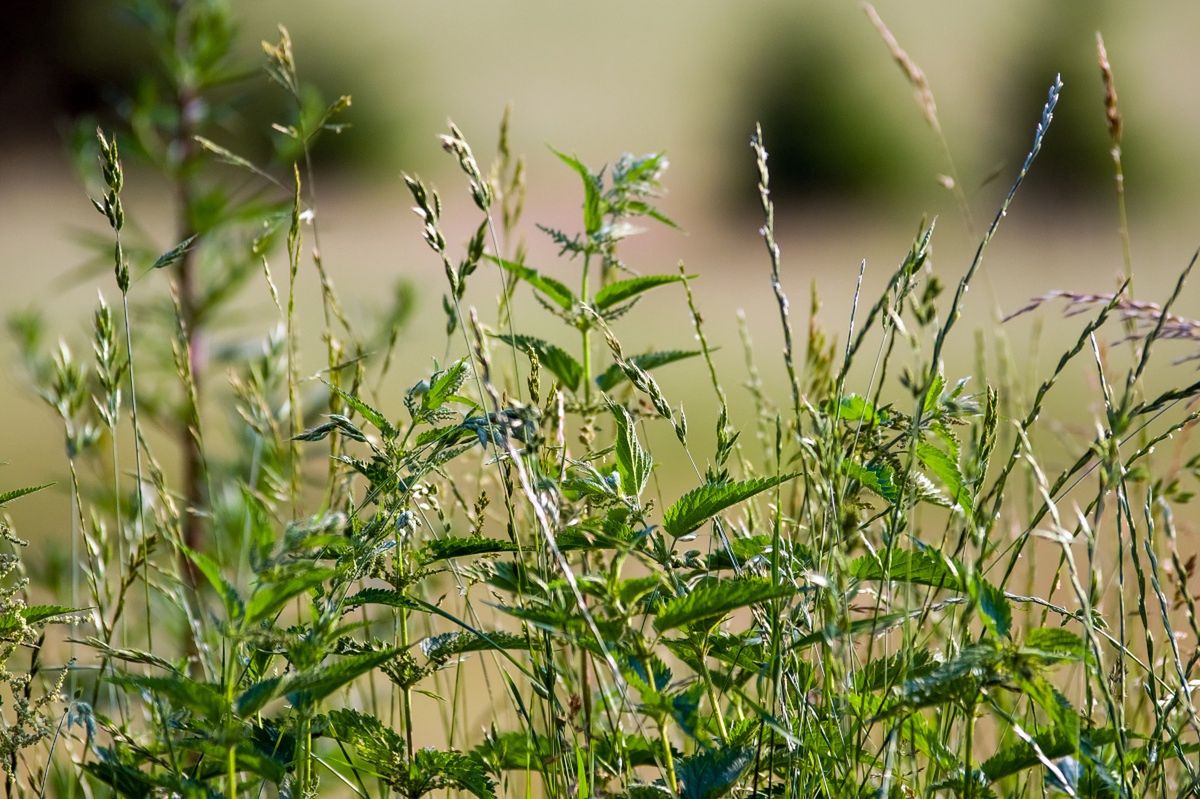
[843, 605]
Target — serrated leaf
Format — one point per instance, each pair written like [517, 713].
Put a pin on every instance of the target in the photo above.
[174, 254]
[180, 691]
[593, 214]
[621, 290]
[316, 684]
[1017, 757]
[447, 645]
[712, 774]
[700, 504]
[713, 600]
[917, 567]
[554, 290]
[884, 672]
[876, 477]
[633, 462]
[434, 770]
[1053, 645]
[551, 356]
[946, 470]
[993, 606]
[268, 598]
[613, 376]
[444, 386]
[8, 496]
[960, 679]
[36, 614]
[380, 596]
[366, 411]
[933, 396]
[445, 548]
[856, 408]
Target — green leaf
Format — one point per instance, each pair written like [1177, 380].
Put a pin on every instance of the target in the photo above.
[36, 614]
[445, 548]
[884, 672]
[712, 600]
[593, 214]
[434, 770]
[945, 468]
[312, 686]
[447, 645]
[8, 496]
[553, 357]
[380, 596]
[876, 477]
[994, 608]
[444, 385]
[554, 290]
[612, 376]
[174, 254]
[1053, 645]
[367, 412]
[621, 290]
[1017, 757]
[378, 744]
[633, 462]
[269, 597]
[956, 680]
[856, 408]
[934, 395]
[180, 691]
[713, 773]
[700, 504]
[918, 567]
[212, 572]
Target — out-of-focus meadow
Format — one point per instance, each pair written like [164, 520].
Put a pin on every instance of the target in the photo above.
[855, 166]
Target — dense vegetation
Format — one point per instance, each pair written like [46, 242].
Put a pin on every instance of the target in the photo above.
[333, 576]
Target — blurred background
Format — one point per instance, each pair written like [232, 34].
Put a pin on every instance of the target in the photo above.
[855, 167]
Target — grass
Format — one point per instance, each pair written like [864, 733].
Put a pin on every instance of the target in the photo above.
[878, 584]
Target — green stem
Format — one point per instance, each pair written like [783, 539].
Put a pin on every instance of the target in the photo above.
[585, 330]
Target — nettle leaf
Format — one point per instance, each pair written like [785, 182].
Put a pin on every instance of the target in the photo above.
[433, 770]
[933, 396]
[876, 477]
[946, 469]
[700, 504]
[613, 375]
[367, 412]
[8, 496]
[960, 679]
[593, 204]
[378, 744]
[993, 606]
[444, 385]
[269, 597]
[919, 567]
[633, 462]
[621, 290]
[311, 686]
[856, 408]
[712, 600]
[180, 691]
[174, 254]
[380, 596]
[551, 356]
[712, 774]
[884, 672]
[36, 614]
[554, 290]
[1055, 742]
[447, 645]
[445, 548]
[1051, 645]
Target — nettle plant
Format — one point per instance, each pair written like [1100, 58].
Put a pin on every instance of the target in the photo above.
[832, 610]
